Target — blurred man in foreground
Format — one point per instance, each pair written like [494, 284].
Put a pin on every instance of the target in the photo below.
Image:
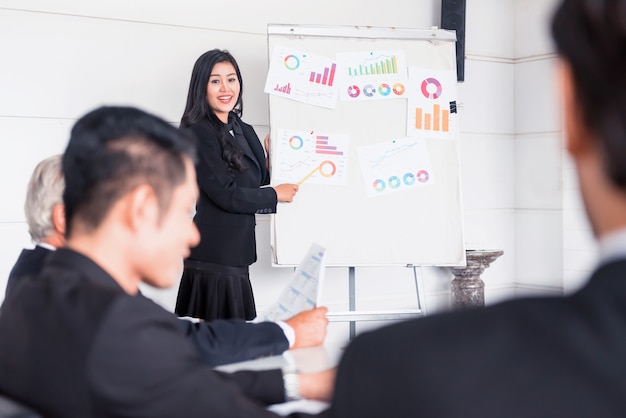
[547, 357]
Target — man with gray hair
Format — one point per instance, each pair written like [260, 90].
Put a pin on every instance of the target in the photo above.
[45, 217]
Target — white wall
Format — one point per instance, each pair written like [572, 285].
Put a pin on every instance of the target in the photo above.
[487, 139]
[65, 57]
[555, 247]
[537, 155]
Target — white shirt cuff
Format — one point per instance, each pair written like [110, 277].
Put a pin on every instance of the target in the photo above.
[290, 334]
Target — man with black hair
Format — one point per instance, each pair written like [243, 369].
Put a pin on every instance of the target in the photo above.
[218, 342]
[79, 340]
[535, 357]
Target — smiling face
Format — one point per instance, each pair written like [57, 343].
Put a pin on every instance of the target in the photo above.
[223, 89]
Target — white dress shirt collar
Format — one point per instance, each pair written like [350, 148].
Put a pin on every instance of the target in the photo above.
[46, 246]
[612, 246]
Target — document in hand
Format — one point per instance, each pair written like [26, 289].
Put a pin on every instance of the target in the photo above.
[304, 287]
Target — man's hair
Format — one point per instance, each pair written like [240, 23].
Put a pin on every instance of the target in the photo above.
[590, 36]
[45, 190]
[111, 151]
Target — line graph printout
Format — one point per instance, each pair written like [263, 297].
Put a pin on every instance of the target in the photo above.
[398, 165]
[431, 109]
[372, 75]
[303, 77]
[311, 157]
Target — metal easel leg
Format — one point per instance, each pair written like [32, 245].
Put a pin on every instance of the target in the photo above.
[419, 289]
[352, 300]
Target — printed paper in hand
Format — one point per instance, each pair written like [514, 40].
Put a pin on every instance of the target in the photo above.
[304, 288]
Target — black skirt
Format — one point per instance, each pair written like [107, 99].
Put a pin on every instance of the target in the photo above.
[211, 291]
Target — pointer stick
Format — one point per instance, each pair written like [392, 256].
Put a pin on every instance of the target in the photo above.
[308, 175]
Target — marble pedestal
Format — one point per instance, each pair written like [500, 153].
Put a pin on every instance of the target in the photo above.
[468, 289]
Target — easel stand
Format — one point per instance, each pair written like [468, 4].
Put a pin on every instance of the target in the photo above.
[353, 315]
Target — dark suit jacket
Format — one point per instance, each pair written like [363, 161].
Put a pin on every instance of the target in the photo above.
[74, 344]
[543, 357]
[227, 203]
[29, 262]
[224, 341]
[218, 342]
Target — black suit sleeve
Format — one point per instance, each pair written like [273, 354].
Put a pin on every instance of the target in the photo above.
[229, 341]
[142, 365]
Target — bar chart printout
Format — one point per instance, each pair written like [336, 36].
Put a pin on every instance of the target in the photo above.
[431, 110]
[302, 76]
[372, 75]
[310, 157]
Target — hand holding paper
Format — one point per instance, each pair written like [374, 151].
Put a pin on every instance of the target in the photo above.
[310, 327]
[303, 290]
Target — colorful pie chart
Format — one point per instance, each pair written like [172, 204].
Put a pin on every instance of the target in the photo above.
[431, 88]
[379, 185]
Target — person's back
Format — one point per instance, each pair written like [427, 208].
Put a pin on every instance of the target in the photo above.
[543, 357]
[28, 263]
[54, 308]
[64, 368]
[546, 357]
[68, 369]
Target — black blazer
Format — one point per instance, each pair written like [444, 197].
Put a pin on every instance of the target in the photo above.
[29, 262]
[227, 203]
[74, 344]
[541, 357]
[217, 342]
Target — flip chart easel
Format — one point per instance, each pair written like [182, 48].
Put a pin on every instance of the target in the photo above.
[353, 315]
[419, 227]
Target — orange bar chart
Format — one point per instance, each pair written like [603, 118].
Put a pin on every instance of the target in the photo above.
[437, 120]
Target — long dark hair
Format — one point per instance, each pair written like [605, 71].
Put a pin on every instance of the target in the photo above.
[197, 108]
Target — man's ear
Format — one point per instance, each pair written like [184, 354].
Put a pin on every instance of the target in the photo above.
[578, 138]
[58, 218]
[142, 207]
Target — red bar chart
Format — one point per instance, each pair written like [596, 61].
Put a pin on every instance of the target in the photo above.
[322, 146]
[325, 78]
[285, 88]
